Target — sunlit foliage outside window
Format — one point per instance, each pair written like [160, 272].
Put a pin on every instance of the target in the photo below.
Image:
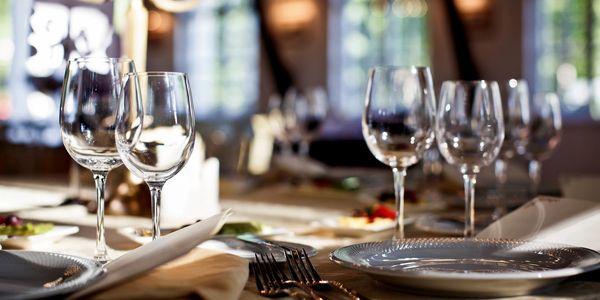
[217, 44]
[372, 33]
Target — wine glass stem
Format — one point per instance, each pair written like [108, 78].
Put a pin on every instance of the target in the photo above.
[500, 172]
[155, 193]
[535, 169]
[399, 175]
[100, 254]
[470, 180]
[304, 148]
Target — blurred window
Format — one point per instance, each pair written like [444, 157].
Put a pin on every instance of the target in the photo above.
[363, 33]
[568, 54]
[217, 44]
[40, 37]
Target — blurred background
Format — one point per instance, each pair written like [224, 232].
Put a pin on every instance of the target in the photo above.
[243, 54]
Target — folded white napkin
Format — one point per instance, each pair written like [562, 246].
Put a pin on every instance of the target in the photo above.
[149, 256]
[549, 219]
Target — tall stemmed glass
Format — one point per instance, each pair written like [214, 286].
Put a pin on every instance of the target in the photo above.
[155, 130]
[544, 134]
[311, 112]
[398, 121]
[516, 125]
[87, 120]
[469, 132]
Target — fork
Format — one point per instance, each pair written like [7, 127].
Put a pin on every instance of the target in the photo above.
[302, 270]
[271, 281]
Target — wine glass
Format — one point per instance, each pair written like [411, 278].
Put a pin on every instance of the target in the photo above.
[398, 123]
[311, 112]
[516, 121]
[155, 130]
[544, 134]
[469, 132]
[277, 124]
[515, 107]
[87, 120]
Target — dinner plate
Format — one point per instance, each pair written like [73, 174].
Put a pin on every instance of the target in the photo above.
[33, 275]
[38, 240]
[467, 267]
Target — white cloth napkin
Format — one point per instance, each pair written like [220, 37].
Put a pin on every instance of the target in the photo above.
[549, 219]
[149, 256]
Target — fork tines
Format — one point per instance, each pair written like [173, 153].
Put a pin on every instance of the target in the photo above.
[272, 281]
[300, 266]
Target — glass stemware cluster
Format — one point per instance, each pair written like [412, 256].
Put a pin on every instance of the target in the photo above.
[298, 117]
[470, 125]
[400, 119]
[110, 114]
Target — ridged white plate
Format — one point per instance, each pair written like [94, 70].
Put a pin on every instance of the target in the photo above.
[467, 267]
[33, 275]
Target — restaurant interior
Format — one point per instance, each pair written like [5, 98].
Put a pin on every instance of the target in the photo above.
[411, 149]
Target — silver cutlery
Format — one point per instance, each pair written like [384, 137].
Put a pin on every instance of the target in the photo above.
[303, 270]
[271, 281]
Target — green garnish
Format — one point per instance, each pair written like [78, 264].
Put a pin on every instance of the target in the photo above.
[241, 228]
[25, 229]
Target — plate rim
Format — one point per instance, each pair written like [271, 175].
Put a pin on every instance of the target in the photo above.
[521, 275]
[96, 272]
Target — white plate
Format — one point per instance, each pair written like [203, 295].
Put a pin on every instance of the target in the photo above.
[24, 274]
[130, 233]
[333, 224]
[467, 267]
[38, 240]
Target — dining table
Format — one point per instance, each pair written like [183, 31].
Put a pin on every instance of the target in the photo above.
[296, 208]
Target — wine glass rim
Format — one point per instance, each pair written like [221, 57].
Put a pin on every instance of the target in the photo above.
[478, 81]
[399, 67]
[101, 58]
[155, 73]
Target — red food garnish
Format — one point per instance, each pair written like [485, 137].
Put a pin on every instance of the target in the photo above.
[382, 211]
[375, 211]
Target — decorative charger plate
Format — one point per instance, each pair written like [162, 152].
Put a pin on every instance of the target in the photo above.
[33, 275]
[467, 267]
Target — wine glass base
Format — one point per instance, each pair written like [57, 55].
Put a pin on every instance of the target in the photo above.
[102, 257]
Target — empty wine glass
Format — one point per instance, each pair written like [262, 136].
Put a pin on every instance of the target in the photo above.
[277, 124]
[469, 132]
[544, 134]
[311, 112]
[515, 108]
[87, 120]
[397, 123]
[155, 130]
[516, 121]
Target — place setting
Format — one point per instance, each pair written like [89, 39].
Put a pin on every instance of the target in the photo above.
[469, 130]
[299, 149]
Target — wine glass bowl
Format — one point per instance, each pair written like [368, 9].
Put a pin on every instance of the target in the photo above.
[544, 133]
[311, 111]
[87, 119]
[397, 122]
[155, 129]
[470, 132]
